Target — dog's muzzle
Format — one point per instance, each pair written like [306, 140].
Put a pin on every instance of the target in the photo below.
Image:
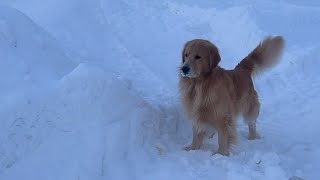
[185, 70]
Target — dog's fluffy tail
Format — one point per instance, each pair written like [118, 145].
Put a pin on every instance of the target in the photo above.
[264, 56]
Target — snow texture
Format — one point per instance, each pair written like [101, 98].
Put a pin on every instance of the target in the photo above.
[89, 89]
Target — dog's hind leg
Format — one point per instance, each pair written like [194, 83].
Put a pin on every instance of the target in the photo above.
[251, 114]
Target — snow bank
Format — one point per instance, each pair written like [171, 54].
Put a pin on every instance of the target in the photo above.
[30, 57]
[49, 108]
[93, 124]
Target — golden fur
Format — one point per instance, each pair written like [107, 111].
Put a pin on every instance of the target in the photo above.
[214, 97]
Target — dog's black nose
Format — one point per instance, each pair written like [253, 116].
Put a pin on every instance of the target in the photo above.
[185, 69]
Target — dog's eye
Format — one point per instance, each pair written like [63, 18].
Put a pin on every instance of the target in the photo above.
[186, 55]
[197, 57]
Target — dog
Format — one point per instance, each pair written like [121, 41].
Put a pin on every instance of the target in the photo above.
[213, 98]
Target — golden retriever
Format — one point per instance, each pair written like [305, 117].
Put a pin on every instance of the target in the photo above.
[213, 97]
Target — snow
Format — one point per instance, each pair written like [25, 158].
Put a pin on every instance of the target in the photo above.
[89, 89]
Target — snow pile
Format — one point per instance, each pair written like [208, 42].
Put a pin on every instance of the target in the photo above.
[89, 89]
[30, 57]
[90, 120]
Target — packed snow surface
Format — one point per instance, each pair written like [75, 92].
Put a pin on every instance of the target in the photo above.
[89, 89]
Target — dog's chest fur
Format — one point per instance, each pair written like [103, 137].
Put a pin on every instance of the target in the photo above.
[209, 100]
[197, 101]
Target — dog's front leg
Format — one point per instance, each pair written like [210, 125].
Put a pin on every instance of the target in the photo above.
[197, 139]
[226, 136]
[223, 142]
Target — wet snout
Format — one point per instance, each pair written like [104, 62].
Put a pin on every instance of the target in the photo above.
[185, 69]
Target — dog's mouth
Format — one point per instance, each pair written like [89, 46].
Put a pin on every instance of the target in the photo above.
[187, 75]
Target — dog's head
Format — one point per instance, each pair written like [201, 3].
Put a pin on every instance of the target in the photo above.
[199, 58]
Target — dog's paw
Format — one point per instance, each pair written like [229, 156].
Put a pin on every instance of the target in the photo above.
[190, 147]
[223, 153]
[253, 136]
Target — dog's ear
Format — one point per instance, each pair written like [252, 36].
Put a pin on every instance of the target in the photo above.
[214, 55]
[184, 51]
